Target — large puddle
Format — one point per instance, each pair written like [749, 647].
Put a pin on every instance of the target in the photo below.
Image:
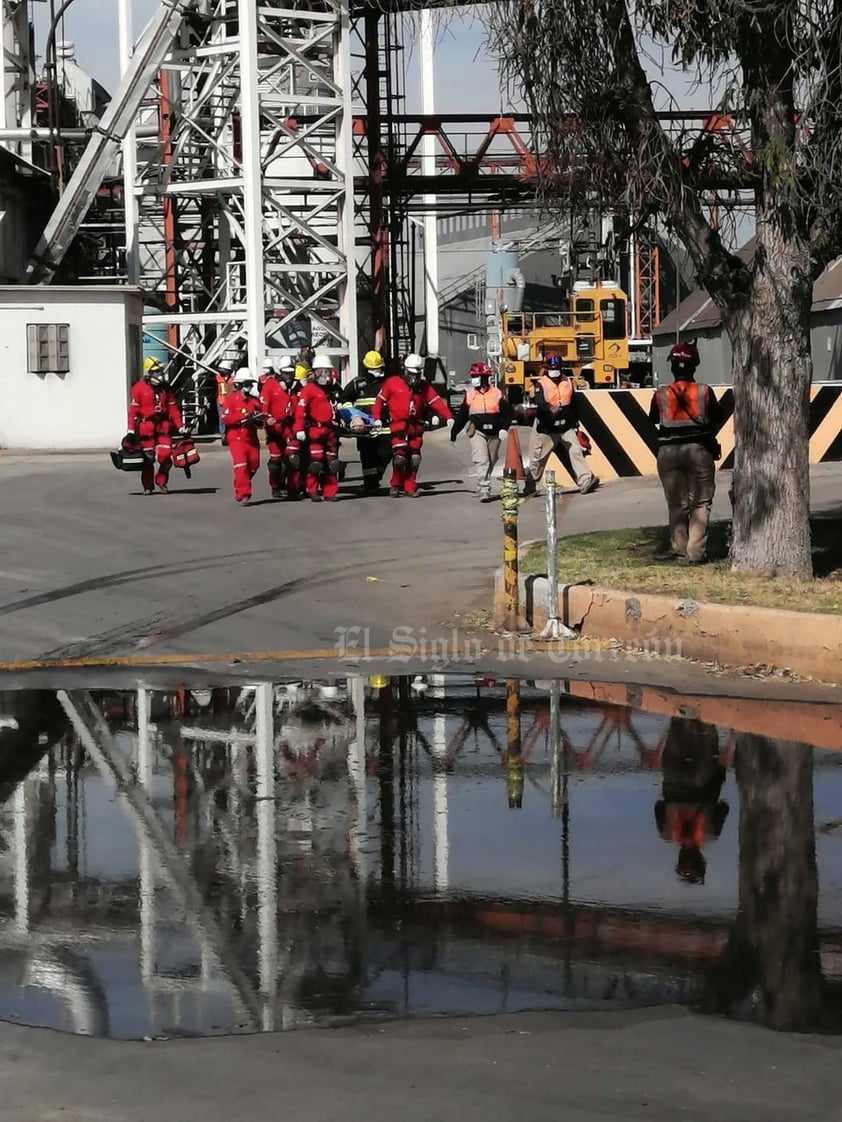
[195, 863]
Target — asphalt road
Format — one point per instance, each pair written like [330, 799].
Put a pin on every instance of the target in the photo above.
[657, 1065]
[90, 568]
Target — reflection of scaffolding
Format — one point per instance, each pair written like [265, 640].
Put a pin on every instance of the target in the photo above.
[282, 894]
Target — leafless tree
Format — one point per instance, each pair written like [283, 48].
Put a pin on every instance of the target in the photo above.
[584, 69]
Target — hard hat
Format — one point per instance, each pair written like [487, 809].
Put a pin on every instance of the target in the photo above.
[552, 361]
[302, 372]
[243, 376]
[285, 365]
[152, 365]
[684, 352]
[269, 366]
[322, 362]
[413, 363]
[373, 361]
[480, 370]
[378, 682]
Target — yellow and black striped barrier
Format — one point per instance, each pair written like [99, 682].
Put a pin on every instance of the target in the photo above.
[625, 442]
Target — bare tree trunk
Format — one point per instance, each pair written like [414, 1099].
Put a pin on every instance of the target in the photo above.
[772, 371]
[774, 947]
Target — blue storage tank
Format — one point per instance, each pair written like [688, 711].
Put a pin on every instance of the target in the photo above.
[154, 337]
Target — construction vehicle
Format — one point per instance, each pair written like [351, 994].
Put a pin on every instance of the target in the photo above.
[588, 330]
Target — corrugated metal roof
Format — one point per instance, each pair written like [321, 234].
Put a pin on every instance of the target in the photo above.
[699, 313]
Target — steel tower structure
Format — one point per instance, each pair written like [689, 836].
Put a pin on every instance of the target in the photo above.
[239, 217]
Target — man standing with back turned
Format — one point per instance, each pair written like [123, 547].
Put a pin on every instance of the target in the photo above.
[688, 417]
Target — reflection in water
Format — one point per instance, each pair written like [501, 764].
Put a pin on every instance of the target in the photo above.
[198, 862]
[690, 812]
[773, 949]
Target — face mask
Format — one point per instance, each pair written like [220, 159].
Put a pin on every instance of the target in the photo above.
[476, 383]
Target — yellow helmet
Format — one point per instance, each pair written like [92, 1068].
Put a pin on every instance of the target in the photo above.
[378, 682]
[373, 361]
[151, 365]
[301, 372]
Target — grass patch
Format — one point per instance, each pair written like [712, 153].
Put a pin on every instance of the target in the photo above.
[627, 559]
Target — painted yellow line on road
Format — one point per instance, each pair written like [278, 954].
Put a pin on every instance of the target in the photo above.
[327, 654]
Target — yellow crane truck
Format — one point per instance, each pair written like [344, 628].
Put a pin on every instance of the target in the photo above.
[588, 331]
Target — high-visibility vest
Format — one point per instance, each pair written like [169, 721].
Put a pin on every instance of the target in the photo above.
[556, 394]
[682, 404]
[224, 385]
[483, 401]
[685, 825]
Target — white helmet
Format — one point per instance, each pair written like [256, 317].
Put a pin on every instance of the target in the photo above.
[414, 363]
[322, 362]
[269, 366]
[285, 365]
[244, 377]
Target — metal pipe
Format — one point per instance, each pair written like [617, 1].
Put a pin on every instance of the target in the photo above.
[130, 207]
[21, 133]
[554, 628]
[252, 185]
[428, 167]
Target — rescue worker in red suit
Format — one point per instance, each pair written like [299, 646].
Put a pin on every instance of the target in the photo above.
[296, 451]
[242, 416]
[688, 417]
[316, 427]
[690, 811]
[407, 399]
[155, 417]
[274, 403]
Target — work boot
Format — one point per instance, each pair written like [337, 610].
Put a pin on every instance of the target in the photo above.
[163, 488]
[330, 498]
[277, 493]
[244, 500]
[530, 487]
[315, 498]
[394, 492]
[148, 491]
[590, 485]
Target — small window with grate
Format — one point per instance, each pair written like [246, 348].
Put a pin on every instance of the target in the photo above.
[48, 348]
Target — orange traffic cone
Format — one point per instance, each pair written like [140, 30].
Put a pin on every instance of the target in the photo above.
[514, 459]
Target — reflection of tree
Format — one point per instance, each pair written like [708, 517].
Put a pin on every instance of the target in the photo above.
[773, 949]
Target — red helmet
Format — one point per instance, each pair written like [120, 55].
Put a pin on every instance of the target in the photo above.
[684, 352]
[552, 361]
[479, 370]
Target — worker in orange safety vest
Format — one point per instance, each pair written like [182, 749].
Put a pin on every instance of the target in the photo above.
[688, 417]
[556, 427]
[486, 414]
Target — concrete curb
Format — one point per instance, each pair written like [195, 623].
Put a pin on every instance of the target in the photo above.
[807, 644]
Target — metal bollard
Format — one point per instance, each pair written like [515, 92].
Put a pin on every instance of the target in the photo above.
[554, 628]
[510, 506]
